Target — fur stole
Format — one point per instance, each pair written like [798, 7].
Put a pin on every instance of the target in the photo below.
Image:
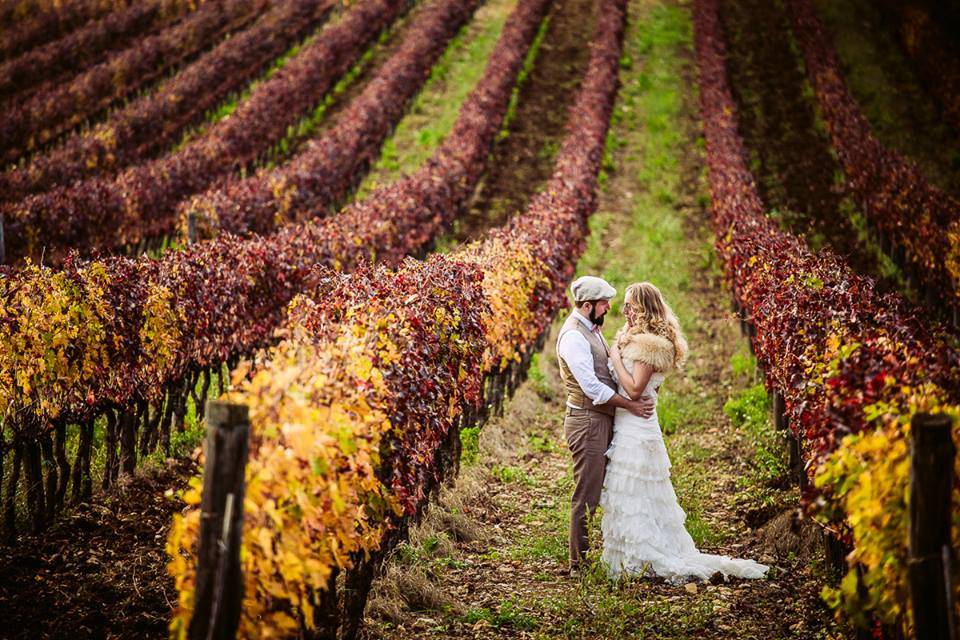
[650, 348]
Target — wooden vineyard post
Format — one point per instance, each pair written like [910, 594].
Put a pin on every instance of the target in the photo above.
[219, 586]
[326, 613]
[743, 325]
[782, 424]
[931, 484]
[780, 421]
[192, 227]
[356, 590]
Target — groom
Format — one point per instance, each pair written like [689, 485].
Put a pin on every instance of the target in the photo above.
[592, 399]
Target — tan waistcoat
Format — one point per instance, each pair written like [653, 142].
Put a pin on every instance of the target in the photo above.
[575, 395]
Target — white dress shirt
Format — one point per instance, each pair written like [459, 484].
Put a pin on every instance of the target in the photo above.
[576, 352]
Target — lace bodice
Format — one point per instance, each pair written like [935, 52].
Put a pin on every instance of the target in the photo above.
[653, 385]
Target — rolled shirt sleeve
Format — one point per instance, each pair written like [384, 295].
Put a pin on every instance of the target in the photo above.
[575, 351]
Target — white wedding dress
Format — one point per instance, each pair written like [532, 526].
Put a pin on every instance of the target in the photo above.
[643, 524]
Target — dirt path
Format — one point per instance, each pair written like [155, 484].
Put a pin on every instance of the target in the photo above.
[435, 109]
[100, 572]
[488, 562]
[791, 159]
[523, 160]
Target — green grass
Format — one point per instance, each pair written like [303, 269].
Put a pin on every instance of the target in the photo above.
[538, 377]
[432, 554]
[508, 474]
[548, 523]
[510, 614]
[308, 125]
[750, 411]
[435, 109]
[522, 76]
[888, 268]
[541, 443]
[743, 364]
[678, 411]
[470, 441]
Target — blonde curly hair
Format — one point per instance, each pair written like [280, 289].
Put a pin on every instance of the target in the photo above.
[647, 312]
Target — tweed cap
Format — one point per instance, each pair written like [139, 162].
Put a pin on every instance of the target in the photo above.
[591, 288]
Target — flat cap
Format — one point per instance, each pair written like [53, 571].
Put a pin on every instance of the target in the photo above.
[591, 288]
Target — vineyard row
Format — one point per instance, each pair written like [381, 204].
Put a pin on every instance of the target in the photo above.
[58, 107]
[193, 310]
[86, 45]
[152, 122]
[853, 366]
[357, 415]
[919, 222]
[319, 177]
[111, 213]
[38, 25]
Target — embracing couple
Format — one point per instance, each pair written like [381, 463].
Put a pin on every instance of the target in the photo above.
[619, 458]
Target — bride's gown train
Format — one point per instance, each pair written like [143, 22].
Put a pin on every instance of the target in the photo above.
[643, 524]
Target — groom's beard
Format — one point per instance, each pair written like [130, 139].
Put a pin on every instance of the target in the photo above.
[596, 320]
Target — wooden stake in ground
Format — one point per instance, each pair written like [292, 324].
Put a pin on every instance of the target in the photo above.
[219, 587]
[931, 489]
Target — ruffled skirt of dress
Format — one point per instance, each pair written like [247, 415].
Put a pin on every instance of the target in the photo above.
[643, 524]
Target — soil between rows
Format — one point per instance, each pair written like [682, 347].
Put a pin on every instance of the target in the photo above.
[523, 160]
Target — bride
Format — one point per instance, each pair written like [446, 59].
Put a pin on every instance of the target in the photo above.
[642, 524]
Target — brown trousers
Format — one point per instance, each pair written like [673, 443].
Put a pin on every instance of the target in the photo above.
[588, 436]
